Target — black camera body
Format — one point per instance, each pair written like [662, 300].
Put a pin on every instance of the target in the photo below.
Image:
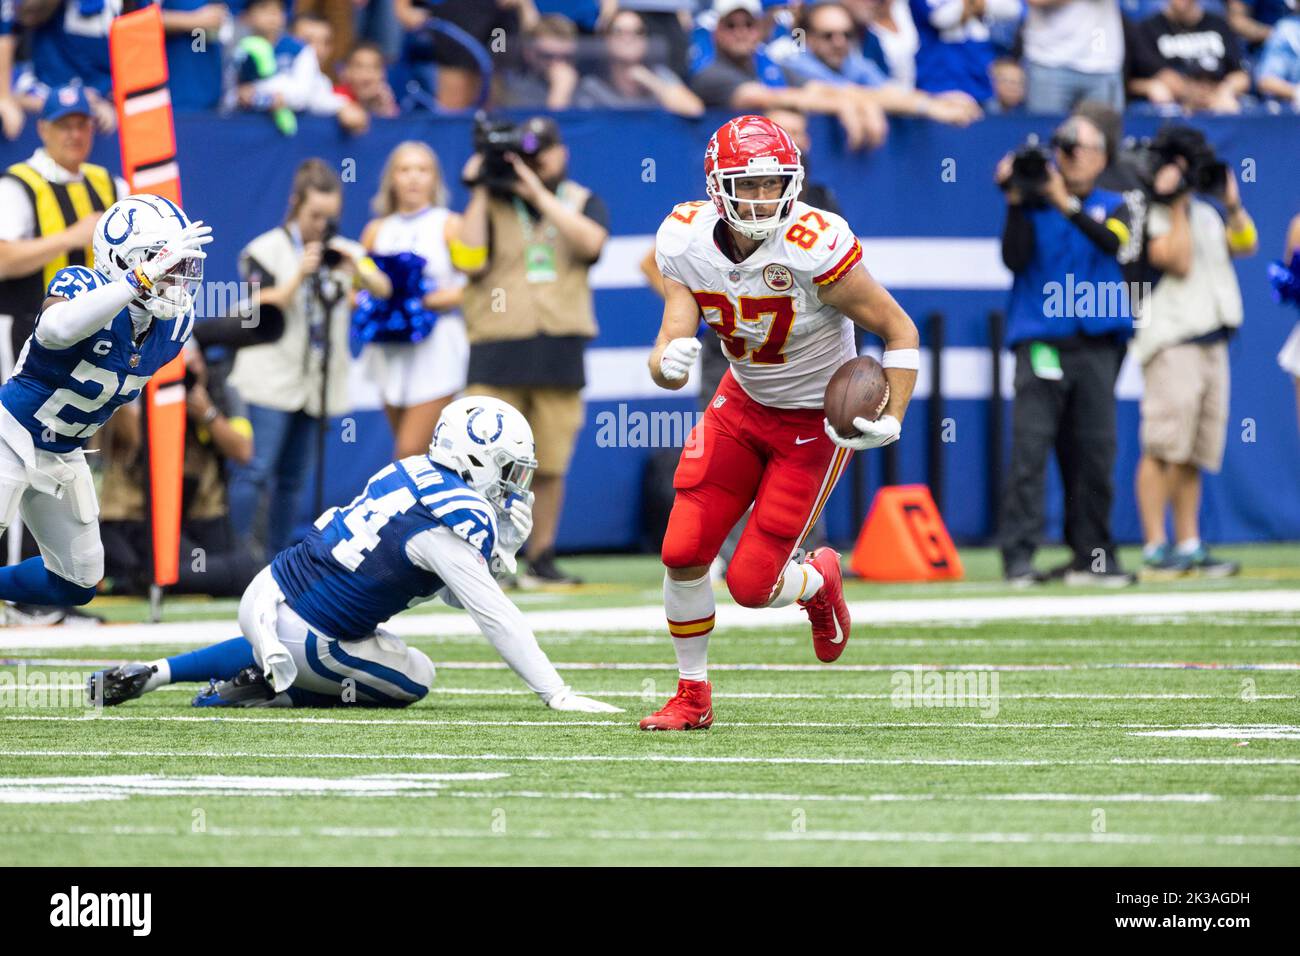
[493, 139]
[1203, 171]
[1030, 163]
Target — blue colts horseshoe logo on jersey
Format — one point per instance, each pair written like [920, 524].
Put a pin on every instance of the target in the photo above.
[501, 424]
[130, 227]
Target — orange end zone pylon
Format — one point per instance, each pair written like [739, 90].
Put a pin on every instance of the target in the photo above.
[905, 539]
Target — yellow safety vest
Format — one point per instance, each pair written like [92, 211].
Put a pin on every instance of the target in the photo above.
[59, 205]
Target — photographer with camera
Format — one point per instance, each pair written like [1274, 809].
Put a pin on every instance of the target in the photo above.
[526, 241]
[1068, 319]
[1183, 328]
[292, 386]
[217, 436]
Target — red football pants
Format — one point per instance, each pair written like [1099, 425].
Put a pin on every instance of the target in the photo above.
[741, 453]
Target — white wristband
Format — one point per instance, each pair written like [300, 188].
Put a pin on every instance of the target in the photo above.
[902, 358]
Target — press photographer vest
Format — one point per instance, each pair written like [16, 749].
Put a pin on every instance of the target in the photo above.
[56, 206]
[503, 305]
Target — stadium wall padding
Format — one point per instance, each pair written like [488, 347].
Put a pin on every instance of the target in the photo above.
[929, 215]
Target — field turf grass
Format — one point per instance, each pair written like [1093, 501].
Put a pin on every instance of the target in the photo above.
[1080, 758]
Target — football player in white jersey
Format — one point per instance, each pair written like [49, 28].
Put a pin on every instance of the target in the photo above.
[100, 335]
[442, 524]
[781, 283]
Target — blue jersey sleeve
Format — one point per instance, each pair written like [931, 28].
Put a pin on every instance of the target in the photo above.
[71, 281]
[470, 518]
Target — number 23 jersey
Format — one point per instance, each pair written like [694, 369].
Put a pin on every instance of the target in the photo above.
[63, 396]
[783, 342]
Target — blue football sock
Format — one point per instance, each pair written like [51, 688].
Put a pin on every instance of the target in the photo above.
[31, 582]
[218, 662]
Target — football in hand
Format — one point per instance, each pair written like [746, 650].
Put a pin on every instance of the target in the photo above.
[858, 389]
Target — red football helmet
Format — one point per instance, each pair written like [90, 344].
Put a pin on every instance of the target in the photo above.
[752, 146]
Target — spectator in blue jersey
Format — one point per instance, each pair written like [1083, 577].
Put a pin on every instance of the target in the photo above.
[831, 52]
[1278, 73]
[740, 76]
[69, 41]
[955, 50]
[1186, 56]
[11, 112]
[194, 52]
[1254, 20]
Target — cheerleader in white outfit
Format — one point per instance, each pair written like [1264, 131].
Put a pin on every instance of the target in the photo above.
[418, 378]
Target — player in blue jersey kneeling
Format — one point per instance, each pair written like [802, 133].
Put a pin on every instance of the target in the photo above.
[441, 525]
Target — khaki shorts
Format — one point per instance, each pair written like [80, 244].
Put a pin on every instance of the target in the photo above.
[555, 415]
[1185, 405]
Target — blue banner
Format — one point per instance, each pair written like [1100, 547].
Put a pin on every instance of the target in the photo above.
[929, 214]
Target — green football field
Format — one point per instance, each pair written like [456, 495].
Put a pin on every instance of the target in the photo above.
[965, 724]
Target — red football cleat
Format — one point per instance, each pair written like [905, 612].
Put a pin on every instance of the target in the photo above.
[691, 708]
[827, 609]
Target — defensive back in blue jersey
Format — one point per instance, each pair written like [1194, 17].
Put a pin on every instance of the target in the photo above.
[63, 396]
[352, 572]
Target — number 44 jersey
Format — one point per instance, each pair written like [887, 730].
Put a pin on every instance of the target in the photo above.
[62, 396]
[357, 567]
[783, 342]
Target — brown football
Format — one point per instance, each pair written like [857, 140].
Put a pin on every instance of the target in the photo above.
[858, 389]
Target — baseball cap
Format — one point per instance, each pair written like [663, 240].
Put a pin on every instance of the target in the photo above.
[722, 8]
[65, 101]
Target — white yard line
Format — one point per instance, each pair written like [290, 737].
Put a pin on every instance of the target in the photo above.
[665, 665]
[673, 836]
[723, 695]
[650, 618]
[1224, 733]
[1270, 731]
[675, 758]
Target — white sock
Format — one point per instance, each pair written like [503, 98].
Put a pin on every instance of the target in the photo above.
[162, 675]
[799, 582]
[689, 607]
[692, 657]
[1188, 546]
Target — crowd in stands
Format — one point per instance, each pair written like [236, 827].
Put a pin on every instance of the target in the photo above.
[859, 60]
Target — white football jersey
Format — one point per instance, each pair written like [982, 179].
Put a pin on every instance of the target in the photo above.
[783, 342]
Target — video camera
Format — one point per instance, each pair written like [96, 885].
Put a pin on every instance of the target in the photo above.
[493, 139]
[1202, 171]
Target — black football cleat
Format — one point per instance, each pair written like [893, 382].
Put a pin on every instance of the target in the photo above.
[118, 684]
[248, 688]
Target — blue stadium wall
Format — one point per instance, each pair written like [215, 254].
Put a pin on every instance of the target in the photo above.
[929, 216]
